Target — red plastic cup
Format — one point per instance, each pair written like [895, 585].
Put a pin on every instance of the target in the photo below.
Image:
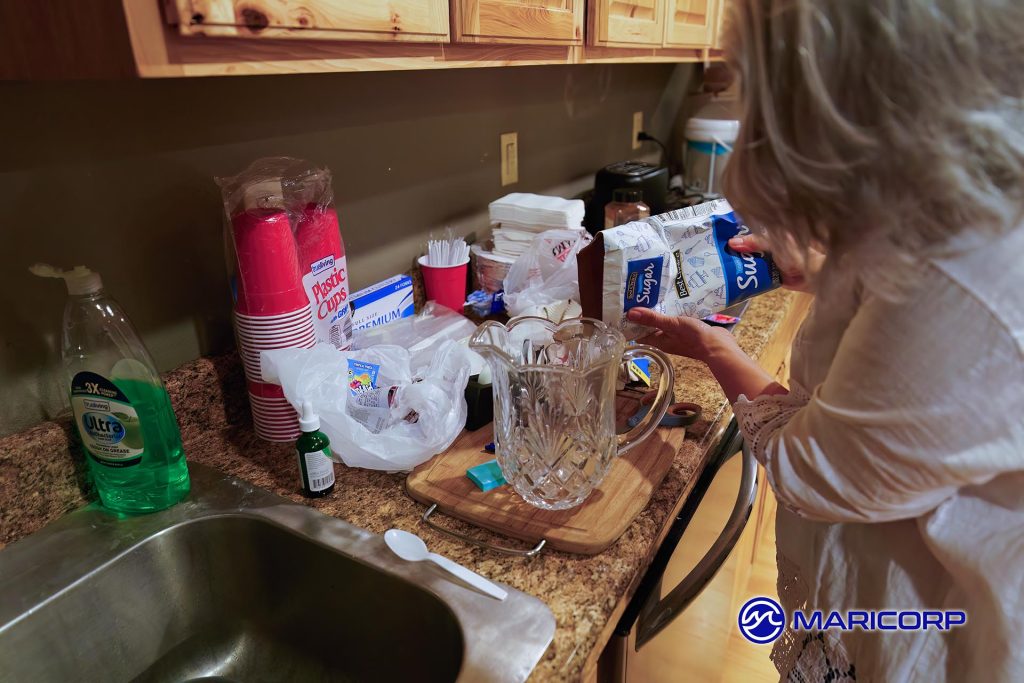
[277, 436]
[273, 418]
[265, 390]
[282, 320]
[301, 339]
[270, 408]
[445, 284]
[318, 236]
[285, 421]
[324, 273]
[296, 339]
[269, 278]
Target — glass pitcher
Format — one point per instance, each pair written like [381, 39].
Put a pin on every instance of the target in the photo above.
[554, 404]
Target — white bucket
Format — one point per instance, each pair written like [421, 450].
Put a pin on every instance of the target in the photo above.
[709, 143]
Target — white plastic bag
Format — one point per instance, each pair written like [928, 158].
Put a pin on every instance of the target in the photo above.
[420, 333]
[381, 411]
[546, 273]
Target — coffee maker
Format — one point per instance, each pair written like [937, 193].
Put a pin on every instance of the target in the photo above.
[650, 179]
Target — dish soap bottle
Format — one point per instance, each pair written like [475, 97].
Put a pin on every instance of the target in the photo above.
[316, 469]
[122, 411]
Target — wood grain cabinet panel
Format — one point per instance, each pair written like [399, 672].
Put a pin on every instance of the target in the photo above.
[387, 20]
[691, 22]
[721, 15]
[543, 22]
[627, 23]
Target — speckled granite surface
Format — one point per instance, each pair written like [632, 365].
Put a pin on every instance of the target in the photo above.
[41, 478]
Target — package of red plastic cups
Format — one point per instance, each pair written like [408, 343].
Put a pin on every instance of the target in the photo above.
[288, 274]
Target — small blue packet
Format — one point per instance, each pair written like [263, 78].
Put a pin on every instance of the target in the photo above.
[486, 476]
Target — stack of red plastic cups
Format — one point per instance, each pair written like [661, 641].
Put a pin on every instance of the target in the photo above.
[272, 311]
[324, 274]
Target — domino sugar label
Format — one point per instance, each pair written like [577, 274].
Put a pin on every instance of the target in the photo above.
[643, 283]
[745, 274]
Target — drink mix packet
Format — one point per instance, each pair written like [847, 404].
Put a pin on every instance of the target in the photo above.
[678, 263]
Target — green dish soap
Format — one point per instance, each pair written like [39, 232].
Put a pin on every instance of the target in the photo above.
[122, 411]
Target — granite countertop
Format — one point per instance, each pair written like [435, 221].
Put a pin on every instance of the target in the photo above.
[41, 478]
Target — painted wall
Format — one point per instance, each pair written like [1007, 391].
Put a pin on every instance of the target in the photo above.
[118, 176]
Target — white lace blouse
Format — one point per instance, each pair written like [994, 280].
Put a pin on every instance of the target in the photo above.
[898, 463]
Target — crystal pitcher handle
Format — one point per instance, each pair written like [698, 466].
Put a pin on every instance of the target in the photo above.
[661, 401]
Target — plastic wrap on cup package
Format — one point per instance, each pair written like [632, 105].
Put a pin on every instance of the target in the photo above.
[284, 246]
[420, 334]
[302, 183]
[426, 412]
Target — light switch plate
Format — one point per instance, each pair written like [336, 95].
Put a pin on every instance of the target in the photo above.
[638, 126]
[509, 159]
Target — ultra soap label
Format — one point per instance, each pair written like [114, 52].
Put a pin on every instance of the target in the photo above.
[107, 422]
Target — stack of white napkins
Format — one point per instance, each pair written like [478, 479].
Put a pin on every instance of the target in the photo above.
[518, 217]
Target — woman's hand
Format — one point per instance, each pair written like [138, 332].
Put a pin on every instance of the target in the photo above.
[794, 276]
[681, 336]
[734, 370]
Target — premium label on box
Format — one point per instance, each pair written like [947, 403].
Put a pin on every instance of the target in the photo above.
[382, 303]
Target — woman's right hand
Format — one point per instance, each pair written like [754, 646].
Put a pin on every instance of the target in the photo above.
[794, 276]
[680, 335]
[716, 346]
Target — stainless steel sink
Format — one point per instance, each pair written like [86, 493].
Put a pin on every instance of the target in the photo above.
[237, 584]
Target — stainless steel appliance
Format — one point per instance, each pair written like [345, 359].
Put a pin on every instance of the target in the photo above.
[648, 613]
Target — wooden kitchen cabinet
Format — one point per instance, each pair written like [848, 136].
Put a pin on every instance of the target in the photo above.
[543, 22]
[691, 22]
[97, 39]
[627, 23]
[721, 15]
[424, 21]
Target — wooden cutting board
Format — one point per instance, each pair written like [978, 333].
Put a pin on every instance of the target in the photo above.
[586, 529]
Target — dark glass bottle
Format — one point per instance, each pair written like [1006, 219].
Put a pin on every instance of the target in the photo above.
[316, 469]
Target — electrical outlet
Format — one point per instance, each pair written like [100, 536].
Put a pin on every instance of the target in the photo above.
[509, 159]
[638, 126]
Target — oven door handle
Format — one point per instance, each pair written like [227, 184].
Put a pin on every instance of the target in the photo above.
[651, 614]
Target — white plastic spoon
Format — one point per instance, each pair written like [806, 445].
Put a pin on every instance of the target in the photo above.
[411, 548]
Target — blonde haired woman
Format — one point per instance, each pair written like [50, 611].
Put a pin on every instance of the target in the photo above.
[888, 135]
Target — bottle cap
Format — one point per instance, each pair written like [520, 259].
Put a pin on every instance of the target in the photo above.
[78, 280]
[627, 195]
[310, 421]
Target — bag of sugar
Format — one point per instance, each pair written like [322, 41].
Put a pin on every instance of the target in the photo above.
[637, 264]
[678, 263]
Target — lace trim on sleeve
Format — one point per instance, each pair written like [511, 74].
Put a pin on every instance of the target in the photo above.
[761, 418]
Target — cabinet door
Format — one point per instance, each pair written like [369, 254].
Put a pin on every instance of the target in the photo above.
[390, 20]
[627, 23]
[544, 22]
[720, 17]
[691, 23]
